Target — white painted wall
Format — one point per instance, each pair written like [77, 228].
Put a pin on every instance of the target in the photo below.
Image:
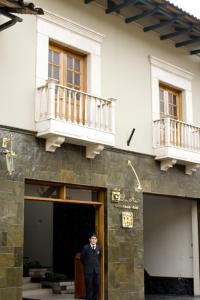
[17, 74]
[125, 70]
[38, 232]
[168, 236]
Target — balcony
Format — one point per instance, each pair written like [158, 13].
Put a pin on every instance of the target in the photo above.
[176, 142]
[67, 115]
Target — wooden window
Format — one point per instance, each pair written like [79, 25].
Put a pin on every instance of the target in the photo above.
[170, 102]
[67, 68]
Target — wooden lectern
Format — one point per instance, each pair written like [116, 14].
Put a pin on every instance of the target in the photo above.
[79, 278]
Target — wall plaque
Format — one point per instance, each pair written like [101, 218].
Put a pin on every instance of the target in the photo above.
[127, 219]
[121, 201]
[116, 195]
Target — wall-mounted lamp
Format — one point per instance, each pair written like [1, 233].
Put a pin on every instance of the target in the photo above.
[138, 184]
[6, 150]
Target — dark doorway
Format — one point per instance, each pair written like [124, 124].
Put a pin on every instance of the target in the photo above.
[72, 225]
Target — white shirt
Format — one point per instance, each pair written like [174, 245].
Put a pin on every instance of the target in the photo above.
[93, 246]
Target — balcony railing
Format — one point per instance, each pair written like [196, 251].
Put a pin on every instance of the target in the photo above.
[72, 106]
[63, 113]
[170, 132]
[176, 142]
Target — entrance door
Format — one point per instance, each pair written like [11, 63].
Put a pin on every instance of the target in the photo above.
[76, 213]
[72, 225]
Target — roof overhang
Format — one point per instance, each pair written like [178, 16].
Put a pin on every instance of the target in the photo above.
[8, 7]
[161, 16]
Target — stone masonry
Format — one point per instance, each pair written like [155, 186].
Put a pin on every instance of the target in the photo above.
[124, 277]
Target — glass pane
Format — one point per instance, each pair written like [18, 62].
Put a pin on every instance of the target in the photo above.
[162, 107]
[170, 110]
[50, 55]
[79, 194]
[170, 95]
[77, 79]
[161, 94]
[175, 111]
[69, 77]
[174, 99]
[56, 73]
[77, 65]
[70, 62]
[50, 71]
[45, 191]
[56, 58]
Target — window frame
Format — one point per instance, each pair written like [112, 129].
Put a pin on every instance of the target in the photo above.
[178, 93]
[64, 52]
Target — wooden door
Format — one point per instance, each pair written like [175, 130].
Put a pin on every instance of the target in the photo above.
[68, 69]
[171, 107]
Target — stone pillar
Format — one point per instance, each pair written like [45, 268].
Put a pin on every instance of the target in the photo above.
[11, 237]
[125, 247]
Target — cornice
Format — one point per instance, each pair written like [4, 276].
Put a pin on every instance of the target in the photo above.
[161, 64]
[72, 26]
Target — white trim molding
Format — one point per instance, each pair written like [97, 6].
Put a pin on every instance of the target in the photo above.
[68, 24]
[176, 77]
[52, 27]
[167, 67]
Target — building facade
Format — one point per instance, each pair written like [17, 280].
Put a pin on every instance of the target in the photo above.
[104, 118]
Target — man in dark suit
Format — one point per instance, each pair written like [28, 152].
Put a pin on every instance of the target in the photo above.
[90, 257]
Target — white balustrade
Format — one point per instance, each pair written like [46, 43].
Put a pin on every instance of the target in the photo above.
[72, 106]
[169, 132]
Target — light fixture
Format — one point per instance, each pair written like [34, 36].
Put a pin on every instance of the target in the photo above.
[6, 150]
[138, 184]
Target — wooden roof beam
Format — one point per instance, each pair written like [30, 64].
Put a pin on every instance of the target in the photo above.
[10, 16]
[197, 51]
[159, 25]
[176, 33]
[188, 42]
[113, 7]
[88, 1]
[24, 10]
[20, 7]
[7, 3]
[142, 15]
[8, 24]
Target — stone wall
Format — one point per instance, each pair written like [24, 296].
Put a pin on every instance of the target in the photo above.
[124, 277]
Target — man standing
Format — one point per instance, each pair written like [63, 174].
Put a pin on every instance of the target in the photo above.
[90, 257]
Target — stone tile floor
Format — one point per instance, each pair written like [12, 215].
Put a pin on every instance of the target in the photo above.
[147, 297]
[52, 297]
